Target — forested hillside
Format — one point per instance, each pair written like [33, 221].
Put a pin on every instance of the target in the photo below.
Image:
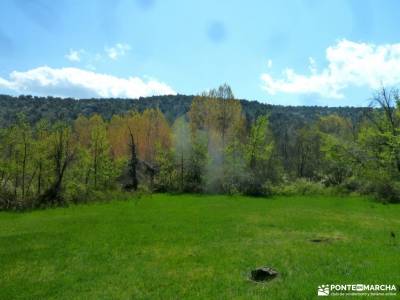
[56, 151]
[51, 108]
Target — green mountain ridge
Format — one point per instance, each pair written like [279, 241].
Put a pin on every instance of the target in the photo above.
[172, 106]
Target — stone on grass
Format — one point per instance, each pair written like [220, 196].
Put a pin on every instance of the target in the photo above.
[263, 274]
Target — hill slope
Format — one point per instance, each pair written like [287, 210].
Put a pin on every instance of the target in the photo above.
[36, 108]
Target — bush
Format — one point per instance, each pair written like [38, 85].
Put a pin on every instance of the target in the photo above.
[11, 201]
[253, 189]
[352, 185]
[75, 193]
[7, 200]
[387, 191]
[302, 187]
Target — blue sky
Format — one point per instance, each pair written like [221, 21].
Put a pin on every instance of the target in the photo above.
[311, 52]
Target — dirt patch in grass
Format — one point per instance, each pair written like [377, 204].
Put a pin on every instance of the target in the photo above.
[325, 239]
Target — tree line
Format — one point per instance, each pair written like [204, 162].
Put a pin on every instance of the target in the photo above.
[172, 106]
[213, 148]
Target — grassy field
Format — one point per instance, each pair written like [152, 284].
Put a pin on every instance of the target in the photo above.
[197, 247]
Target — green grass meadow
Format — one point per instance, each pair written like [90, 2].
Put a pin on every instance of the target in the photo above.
[198, 247]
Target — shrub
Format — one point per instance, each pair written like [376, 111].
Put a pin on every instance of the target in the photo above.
[10, 200]
[268, 189]
[253, 189]
[7, 200]
[387, 191]
[352, 184]
[302, 187]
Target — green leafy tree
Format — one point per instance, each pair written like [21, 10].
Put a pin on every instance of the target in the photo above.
[181, 145]
[61, 155]
[338, 148]
[258, 153]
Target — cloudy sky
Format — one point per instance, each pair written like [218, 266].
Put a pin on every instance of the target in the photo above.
[312, 52]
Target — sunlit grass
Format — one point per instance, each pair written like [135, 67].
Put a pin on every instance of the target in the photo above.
[197, 247]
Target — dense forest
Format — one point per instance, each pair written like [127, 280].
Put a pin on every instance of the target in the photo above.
[59, 151]
[174, 106]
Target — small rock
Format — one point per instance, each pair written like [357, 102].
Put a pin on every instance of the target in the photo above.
[263, 274]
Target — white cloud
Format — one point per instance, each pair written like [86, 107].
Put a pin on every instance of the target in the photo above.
[78, 83]
[269, 64]
[312, 65]
[350, 64]
[91, 59]
[118, 50]
[74, 55]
